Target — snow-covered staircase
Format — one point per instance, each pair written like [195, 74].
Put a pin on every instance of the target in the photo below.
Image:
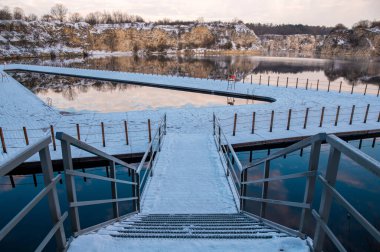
[195, 226]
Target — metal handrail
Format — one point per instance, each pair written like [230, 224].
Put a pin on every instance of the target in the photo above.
[227, 160]
[153, 148]
[66, 143]
[50, 190]
[337, 147]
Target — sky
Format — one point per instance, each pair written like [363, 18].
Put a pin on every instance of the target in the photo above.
[311, 12]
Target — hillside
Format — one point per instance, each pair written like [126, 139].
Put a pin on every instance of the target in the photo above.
[20, 38]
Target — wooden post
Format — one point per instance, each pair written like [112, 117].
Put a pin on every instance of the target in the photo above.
[251, 78]
[234, 130]
[250, 156]
[337, 116]
[287, 82]
[322, 113]
[378, 117]
[149, 131]
[366, 114]
[373, 142]
[278, 77]
[260, 80]
[307, 83]
[78, 132]
[253, 122]
[352, 89]
[103, 137]
[360, 143]
[271, 121]
[318, 85]
[289, 118]
[26, 136]
[53, 137]
[2, 140]
[378, 91]
[297, 83]
[352, 114]
[268, 80]
[328, 87]
[365, 90]
[340, 87]
[306, 115]
[126, 132]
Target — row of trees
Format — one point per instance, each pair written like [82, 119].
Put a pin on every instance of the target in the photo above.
[60, 13]
[288, 29]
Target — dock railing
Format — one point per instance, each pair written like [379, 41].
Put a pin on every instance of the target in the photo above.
[50, 190]
[145, 168]
[328, 180]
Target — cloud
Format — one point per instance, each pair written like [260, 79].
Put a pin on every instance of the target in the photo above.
[323, 12]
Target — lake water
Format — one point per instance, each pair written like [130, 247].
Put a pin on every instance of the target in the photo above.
[359, 186]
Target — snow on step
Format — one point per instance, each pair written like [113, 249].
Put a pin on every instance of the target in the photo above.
[188, 178]
[199, 232]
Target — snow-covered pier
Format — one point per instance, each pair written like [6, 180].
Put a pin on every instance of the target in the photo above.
[22, 109]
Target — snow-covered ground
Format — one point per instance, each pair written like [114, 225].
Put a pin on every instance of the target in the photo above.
[21, 108]
[188, 178]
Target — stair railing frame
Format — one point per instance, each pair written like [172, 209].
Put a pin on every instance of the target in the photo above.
[50, 190]
[67, 142]
[337, 147]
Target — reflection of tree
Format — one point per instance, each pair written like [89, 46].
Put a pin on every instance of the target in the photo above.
[351, 71]
[69, 93]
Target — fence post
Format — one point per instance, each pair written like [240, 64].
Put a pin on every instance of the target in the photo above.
[78, 132]
[378, 91]
[306, 115]
[165, 124]
[234, 130]
[366, 114]
[278, 77]
[365, 90]
[352, 114]
[149, 131]
[268, 80]
[287, 82]
[219, 138]
[307, 83]
[251, 78]
[289, 118]
[213, 123]
[340, 87]
[260, 80]
[328, 87]
[326, 198]
[54, 206]
[115, 205]
[253, 122]
[310, 182]
[322, 114]
[126, 132]
[337, 116]
[297, 83]
[2, 140]
[271, 121]
[318, 85]
[103, 137]
[53, 137]
[352, 89]
[264, 190]
[378, 117]
[25, 135]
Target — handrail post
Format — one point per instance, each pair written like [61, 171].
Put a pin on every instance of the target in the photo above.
[310, 183]
[326, 198]
[137, 190]
[264, 190]
[70, 185]
[115, 205]
[54, 206]
[243, 188]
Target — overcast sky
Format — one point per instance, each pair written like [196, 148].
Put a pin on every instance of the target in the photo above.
[313, 12]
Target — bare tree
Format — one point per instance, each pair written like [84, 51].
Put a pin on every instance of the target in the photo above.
[31, 17]
[47, 18]
[59, 12]
[18, 13]
[5, 14]
[93, 18]
[75, 17]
